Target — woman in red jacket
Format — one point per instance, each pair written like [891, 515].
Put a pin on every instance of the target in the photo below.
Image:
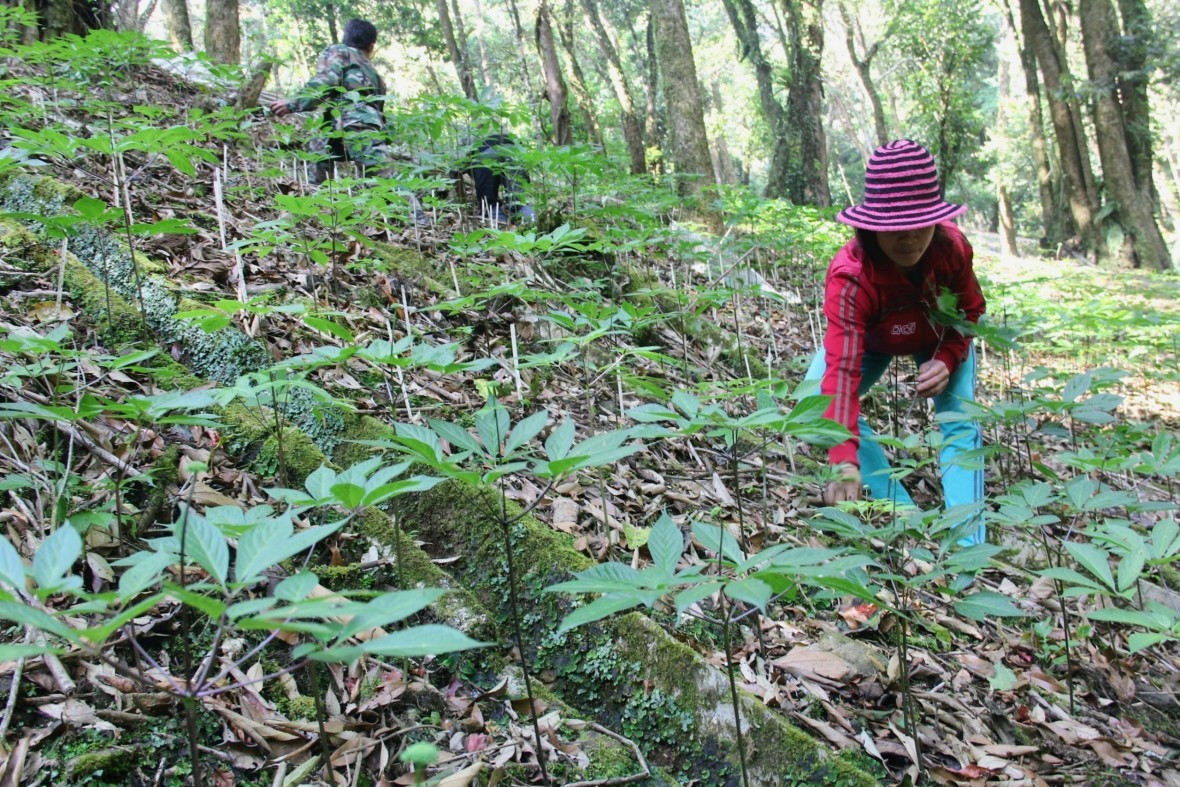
[879, 299]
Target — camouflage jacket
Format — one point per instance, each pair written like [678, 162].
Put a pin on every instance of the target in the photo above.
[345, 82]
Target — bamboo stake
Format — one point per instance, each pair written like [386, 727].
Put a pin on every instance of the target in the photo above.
[516, 364]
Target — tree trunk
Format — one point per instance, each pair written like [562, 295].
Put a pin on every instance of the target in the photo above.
[651, 121]
[632, 132]
[864, 71]
[682, 99]
[1007, 224]
[577, 78]
[223, 35]
[180, 29]
[1133, 73]
[64, 17]
[1135, 210]
[485, 71]
[745, 25]
[808, 183]
[526, 69]
[463, 44]
[1056, 222]
[457, 56]
[559, 113]
[722, 158]
[1082, 204]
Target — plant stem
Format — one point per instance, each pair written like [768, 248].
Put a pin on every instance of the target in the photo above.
[733, 695]
[320, 713]
[515, 607]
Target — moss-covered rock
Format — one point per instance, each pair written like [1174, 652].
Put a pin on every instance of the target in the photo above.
[626, 671]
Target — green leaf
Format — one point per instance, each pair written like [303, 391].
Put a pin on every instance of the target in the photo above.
[665, 543]
[419, 641]
[752, 591]
[55, 557]
[1131, 569]
[419, 483]
[978, 606]
[144, 574]
[602, 578]
[12, 568]
[21, 613]
[457, 436]
[203, 544]
[1141, 641]
[557, 445]
[715, 539]
[296, 588]
[601, 608]
[348, 495]
[686, 598]
[1094, 559]
[13, 651]
[389, 608]
[1004, 679]
[526, 430]
[258, 547]
[328, 327]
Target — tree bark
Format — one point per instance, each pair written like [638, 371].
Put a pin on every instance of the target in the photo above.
[745, 25]
[863, 66]
[682, 99]
[1132, 83]
[180, 28]
[1005, 219]
[632, 131]
[722, 158]
[223, 33]
[525, 68]
[577, 78]
[457, 56]
[1135, 209]
[651, 121]
[808, 183]
[1082, 203]
[1056, 222]
[559, 113]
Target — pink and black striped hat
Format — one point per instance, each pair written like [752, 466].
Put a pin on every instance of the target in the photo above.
[901, 191]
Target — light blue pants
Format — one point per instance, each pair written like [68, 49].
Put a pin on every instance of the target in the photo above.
[962, 483]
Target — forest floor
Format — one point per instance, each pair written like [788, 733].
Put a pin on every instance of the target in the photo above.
[1045, 698]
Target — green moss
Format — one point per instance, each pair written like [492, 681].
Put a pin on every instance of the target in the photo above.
[430, 275]
[299, 708]
[109, 764]
[358, 427]
[626, 671]
[294, 452]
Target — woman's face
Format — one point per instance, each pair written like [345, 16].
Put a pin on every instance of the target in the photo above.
[905, 247]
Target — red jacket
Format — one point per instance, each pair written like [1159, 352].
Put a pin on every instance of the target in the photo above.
[874, 306]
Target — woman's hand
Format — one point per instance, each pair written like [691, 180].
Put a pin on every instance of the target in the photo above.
[932, 378]
[280, 107]
[845, 487]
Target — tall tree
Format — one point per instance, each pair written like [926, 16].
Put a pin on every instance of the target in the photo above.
[577, 77]
[1073, 161]
[1005, 218]
[1056, 221]
[457, 53]
[1131, 57]
[682, 98]
[632, 131]
[808, 173]
[745, 24]
[180, 29]
[559, 113]
[863, 65]
[223, 32]
[1135, 211]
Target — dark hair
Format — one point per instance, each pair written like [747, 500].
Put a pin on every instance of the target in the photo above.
[872, 249]
[360, 34]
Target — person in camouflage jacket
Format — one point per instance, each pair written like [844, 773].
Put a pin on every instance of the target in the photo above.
[352, 94]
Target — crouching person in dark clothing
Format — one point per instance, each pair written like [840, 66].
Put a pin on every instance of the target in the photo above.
[351, 93]
[497, 181]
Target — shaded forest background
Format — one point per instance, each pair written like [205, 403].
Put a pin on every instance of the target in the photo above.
[1055, 121]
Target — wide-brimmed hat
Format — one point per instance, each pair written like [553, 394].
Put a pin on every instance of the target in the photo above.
[901, 191]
